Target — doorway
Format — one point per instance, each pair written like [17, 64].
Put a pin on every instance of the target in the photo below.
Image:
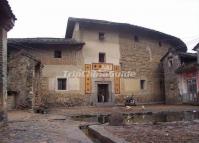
[103, 93]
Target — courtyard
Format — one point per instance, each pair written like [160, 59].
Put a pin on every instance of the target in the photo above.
[58, 126]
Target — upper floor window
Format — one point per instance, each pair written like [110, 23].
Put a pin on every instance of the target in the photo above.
[136, 39]
[61, 83]
[160, 44]
[57, 54]
[101, 36]
[102, 57]
[170, 61]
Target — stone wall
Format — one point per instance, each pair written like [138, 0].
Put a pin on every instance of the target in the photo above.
[142, 56]
[21, 78]
[172, 92]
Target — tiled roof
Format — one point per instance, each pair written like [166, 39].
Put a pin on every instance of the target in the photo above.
[178, 43]
[188, 55]
[181, 54]
[187, 68]
[44, 41]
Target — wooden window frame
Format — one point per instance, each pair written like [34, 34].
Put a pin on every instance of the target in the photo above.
[66, 84]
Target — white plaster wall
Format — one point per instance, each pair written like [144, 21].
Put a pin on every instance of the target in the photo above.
[58, 71]
[93, 46]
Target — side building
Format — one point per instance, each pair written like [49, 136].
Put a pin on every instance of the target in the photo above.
[181, 77]
[24, 72]
[7, 19]
[57, 56]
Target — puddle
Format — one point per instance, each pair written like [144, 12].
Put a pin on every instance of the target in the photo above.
[92, 118]
[143, 117]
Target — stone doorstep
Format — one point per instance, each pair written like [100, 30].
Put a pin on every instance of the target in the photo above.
[98, 130]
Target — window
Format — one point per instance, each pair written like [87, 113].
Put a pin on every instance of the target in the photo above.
[136, 39]
[170, 62]
[61, 83]
[160, 44]
[142, 84]
[57, 54]
[101, 36]
[101, 57]
[192, 87]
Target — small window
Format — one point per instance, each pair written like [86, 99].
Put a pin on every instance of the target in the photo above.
[160, 44]
[57, 54]
[62, 82]
[136, 39]
[101, 36]
[170, 62]
[101, 57]
[142, 84]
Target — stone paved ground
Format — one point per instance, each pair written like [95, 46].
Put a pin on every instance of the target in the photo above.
[179, 132]
[26, 127]
[57, 126]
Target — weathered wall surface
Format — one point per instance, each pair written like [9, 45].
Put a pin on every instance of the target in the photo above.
[3, 75]
[21, 73]
[142, 57]
[109, 45]
[93, 46]
[54, 68]
[70, 55]
[74, 88]
[172, 92]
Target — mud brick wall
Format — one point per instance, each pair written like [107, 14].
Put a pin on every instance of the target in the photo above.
[21, 78]
[143, 57]
[172, 93]
[72, 60]
[70, 55]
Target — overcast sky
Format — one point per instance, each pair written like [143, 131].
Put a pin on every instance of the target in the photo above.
[48, 18]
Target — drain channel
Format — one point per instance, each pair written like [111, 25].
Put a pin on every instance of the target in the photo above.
[90, 134]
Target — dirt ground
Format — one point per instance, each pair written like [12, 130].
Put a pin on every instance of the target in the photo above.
[175, 132]
[58, 127]
[133, 109]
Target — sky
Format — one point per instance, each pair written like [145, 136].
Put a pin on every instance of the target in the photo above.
[48, 18]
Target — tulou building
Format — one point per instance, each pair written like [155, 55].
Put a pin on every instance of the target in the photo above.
[97, 63]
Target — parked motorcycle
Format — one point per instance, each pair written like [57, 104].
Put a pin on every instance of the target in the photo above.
[130, 101]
